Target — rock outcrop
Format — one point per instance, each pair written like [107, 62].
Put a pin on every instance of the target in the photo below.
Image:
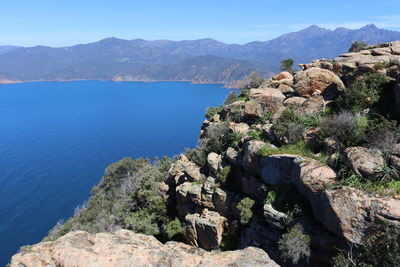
[316, 81]
[125, 248]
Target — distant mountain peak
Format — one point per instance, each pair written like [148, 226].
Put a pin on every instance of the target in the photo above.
[369, 27]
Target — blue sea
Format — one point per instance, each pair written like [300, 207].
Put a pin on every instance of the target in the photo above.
[56, 139]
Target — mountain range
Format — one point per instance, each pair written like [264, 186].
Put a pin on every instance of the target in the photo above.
[204, 60]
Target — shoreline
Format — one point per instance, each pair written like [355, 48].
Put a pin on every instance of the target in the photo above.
[116, 80]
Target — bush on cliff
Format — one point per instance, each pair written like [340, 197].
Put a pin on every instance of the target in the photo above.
[291, 125]
[363, 93]
[380, 248]
[252, 81]
[382, 134]
[212, 111]
[346, 128]
[357, 46]
[294, 245]
[125, 198]
[245, 208]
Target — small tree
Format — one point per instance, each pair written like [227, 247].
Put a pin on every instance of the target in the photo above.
[357, 46]
[294, 245]
[287, 65]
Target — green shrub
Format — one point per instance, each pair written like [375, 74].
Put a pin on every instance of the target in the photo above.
[382, 65]
[364, 93]
[216, 138]
[244, 206]
[291, 125]
[125, 198]
[265, 118]
[223, 174]
[380, 248]
[235, 116]
[357, 46]
[175, 231]
[213, 111]
[256, 135]
[233, 139]
[382, 134]
[197, 156]
[294, 245]
[346, 128]
[232, 97]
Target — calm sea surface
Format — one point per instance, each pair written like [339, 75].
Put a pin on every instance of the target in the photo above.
[56, 139]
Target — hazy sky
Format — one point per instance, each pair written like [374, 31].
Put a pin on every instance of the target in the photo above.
[60, 22]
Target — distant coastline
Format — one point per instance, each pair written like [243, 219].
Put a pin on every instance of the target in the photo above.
[117, 80]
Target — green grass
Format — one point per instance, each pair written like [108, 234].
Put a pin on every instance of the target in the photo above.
[299, 148]
[386, 186]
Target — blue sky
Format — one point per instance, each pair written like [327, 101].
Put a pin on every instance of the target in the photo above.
[61, 23]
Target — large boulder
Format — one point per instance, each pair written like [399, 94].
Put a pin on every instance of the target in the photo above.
[205, 230]
[294, 102]
[271, 99]
[364, 161]
[350, 213]
[285, 78]
[313, 105]
[184, 170]
[214, 162]
[126, 248]
[241, 128]
[316, 81]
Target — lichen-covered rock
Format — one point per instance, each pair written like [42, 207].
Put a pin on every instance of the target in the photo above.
[214, 162]
[241, 128]
[126, 248]
[271, 99]
[184, 170]
[313, 105]
[205, 230]
[316, 81]
[364, 161]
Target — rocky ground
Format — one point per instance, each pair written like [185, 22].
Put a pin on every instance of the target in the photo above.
[252, 190]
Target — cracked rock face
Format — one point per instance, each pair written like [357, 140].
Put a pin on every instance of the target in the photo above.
[126, 248]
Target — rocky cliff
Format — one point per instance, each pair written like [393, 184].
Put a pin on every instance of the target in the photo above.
[304, 167]
[125, 248]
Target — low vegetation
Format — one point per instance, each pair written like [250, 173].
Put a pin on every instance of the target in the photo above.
[294, 245]
[126, 198]
[245, 208]
[365, 93]
[254, 80]
[380, 248]
[357, 46]
[212, 111]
